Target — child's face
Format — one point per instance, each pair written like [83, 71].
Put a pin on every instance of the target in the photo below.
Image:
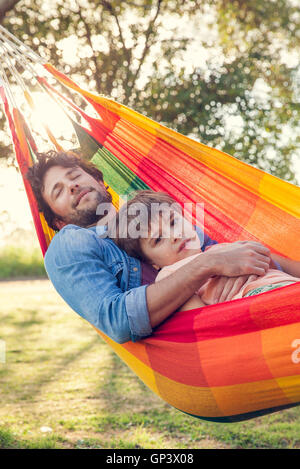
[172, 238]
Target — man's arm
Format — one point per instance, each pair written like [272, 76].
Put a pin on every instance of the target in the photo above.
[80, 275]
[76, 265]
[232, 260]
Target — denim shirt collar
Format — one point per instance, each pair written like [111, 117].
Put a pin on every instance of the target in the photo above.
[134, 277]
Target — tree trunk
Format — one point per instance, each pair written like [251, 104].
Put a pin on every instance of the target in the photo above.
[6, 5]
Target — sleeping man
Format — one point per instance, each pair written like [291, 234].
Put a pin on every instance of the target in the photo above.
[113, 291]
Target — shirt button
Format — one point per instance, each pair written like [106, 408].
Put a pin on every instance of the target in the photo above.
[135, 269]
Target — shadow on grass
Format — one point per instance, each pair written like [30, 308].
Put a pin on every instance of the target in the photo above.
[124, 412]
[118, 378]
[31, 389]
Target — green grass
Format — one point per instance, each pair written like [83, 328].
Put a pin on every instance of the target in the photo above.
[60, 374]
[16, 262]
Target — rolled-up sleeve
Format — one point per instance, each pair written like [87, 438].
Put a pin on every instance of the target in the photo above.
[139, 324]
[75, 265]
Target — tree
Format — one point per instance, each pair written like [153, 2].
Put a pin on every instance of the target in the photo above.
[5, 6]
[136, 52]
[5, 147]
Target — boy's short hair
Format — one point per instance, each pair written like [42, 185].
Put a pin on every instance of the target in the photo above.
[123, 218]
[36, 173]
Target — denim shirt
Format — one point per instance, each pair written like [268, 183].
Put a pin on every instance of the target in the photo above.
[101, 282]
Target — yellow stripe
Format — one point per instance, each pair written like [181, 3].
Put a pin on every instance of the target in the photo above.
[270, 188]
[250, 397]
[214, 401]
[279, 193]
[145, 373]
[290, 386]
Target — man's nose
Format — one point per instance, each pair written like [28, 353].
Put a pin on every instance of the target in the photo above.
[73, 188]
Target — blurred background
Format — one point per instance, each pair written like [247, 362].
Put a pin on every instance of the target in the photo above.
[225, 73]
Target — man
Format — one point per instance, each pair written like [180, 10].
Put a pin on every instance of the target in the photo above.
[111, 290]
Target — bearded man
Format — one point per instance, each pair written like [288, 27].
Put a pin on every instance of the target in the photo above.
[114, 292]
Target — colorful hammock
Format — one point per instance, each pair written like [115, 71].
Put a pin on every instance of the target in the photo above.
[225, 362]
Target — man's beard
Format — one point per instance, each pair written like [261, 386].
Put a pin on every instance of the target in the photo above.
[88, 216]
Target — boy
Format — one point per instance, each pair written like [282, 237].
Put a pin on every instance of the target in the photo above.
[166, 240]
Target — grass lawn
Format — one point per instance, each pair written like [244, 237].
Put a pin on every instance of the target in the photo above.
[63, 387]
[21, 261]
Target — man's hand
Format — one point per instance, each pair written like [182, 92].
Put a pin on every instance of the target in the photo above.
[239, 258]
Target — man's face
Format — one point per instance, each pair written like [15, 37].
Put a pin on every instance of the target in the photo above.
[73, 195]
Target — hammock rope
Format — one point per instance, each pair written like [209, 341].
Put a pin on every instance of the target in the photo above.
[225, 362]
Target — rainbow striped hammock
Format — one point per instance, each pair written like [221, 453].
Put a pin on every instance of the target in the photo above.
[225, 362]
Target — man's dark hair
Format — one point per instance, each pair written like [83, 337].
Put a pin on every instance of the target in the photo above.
[36, 173]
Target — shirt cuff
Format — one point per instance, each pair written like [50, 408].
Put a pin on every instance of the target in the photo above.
[137, 313]
[278, 266]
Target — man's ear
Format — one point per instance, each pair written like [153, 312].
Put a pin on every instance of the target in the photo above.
[59, 223]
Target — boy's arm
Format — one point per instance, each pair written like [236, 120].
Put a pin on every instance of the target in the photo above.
[289, 266]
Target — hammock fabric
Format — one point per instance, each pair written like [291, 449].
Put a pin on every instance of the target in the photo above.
[225, 362]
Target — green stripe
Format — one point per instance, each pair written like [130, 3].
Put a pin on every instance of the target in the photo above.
[88, 144]
[120, 178]
[116, 174]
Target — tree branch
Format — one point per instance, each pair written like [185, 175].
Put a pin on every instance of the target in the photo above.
[147, 37]
[5, 6]
[109, 7]
[94, 58]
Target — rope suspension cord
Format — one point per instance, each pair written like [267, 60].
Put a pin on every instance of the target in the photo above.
[19, 46]
[6, 86]
[13, 71]
[15, 53]
[14, 50]
[19, 58]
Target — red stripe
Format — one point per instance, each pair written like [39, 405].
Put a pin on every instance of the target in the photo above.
[160, 180]
[272, 309]
[23, 165]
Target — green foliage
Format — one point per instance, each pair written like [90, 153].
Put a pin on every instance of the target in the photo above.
[9, 440]
[243, 97]
[19, 262]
